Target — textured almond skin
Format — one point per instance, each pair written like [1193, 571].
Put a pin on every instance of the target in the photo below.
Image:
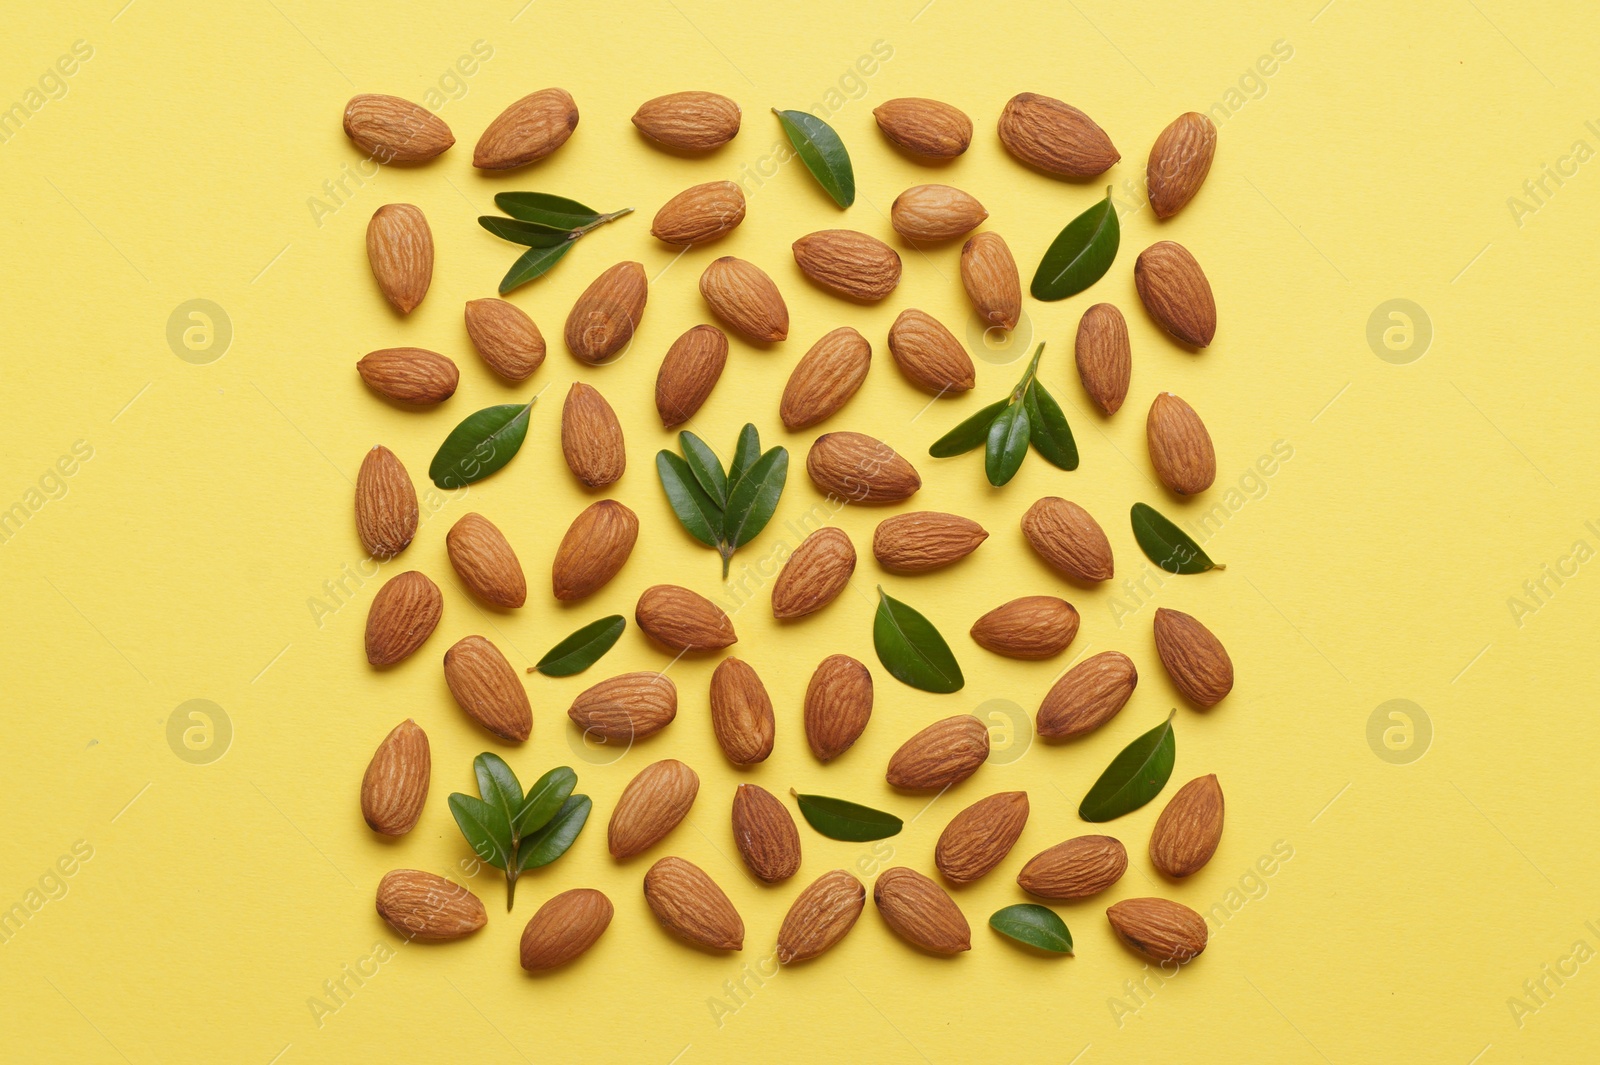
[1087, 696]
[527, 131]
[929, 354]
[689, 121]
[563, 928]
[403, 615]
[1105, 362]
[741, 294]
[386, 504]
[849, 263]
[420, 905]
[687, 901]
[1076, 869]
[395, 130]
[487, 688]
[978, 838]
[651, 806]
[699, 214]
[838, 706]
[935, 212]
[1160, 929]
[1180, 159]
[989, 274]
[741, 713]
[409, 375]
[594, 550]
[820, 916]
[484, 561]
[921, 912]
[858, 469]
[675, 617]
[1180, 447]
[1189, 828]
[945, 753]
[1175, 291]
[815, 574]
[1068, 538]
[925, 127]
[591, 437]
[394, 788]
[506, 338]
[825, 378]
[1055, 137]
[627, 707]
[924, 540]
[689, 373]
[603, 320]
[1194, 658]
[1033, 627]
[400, 251]
[765, 834]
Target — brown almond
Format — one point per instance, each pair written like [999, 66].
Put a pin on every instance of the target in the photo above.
[683, 620]
[651, 806]
[925, 540]
[1068, 538]
[506, 338]
[591, 437]
[421, 905]
[1194, 658]
[1076, 869]
[1035, 626]
[395, 130]
[945, 753]
[487, 688]
[1180, 159]
[820, 916]
[1055, 137]
[1189, 828]
[699, 214]
[1160, 929]
[395, 786]
[978, 838]
[400, 251]
[921, 912]
[929, 354]
[595, 548]
[825, 378]
[935, 212]
[741, 713]
[527, 131]
[564, 927]
[765, 834]
[627, 707]
[855, 468]
[386, 504]
[689, 373]
[1105, 362]
[604, 318]
[1175, 291]
[688, 902]
[403, 615]
[989, 274]
[925, 127]
[848, 263]
[1087, 696]
[409, 375]
[838, 706]
[741, 294]
[814, 575]
[689, 121]
[1180, 447]
[484, 561]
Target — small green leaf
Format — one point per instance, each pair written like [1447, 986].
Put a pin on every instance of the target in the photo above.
[551, 841]
[848, 821]
[1035, 925]
[1007, 444]
[1081, 254]
[1167, 545]
[544, 801]
[754, 499]
[533, 234]
[823, 153]
[706, 467]
[745, 453]
[696, 510]
[1047, 424]
[969, 434]
[557, 212]
[912, 650]
[499, 786]
[1134, 777]
[480, 445]
[533, 264]
[583, 648]
[487, 832]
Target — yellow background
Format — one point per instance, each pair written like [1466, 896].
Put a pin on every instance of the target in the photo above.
[1375, 164]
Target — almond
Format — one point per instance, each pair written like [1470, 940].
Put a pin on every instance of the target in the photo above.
[921, 912]
[527, 131]
[675, 617]
[935, 212]
[510, 344]
[591, 437]
[764, 832]
[627, 707]
[820, 916]
[978, 838]
[565, 926]
[741, 713]
[400, 250]
[395, 785]
[1076, 869]
[1087, 696]
[1104, 361]
[699, 214]
[838, 706]
[989, 274]
[1180, 447]
[402, 616]
[421, 905]
[1055, 137]
[393, 130]
[1195, 659]
[1188, 831]
[651, 806]
[858, 469]
[486, 687]
[386, 504]
[603, 320]
[1160, 929]
[929, 354]
[925, 540]
[689, 121]
[742, 295]
[689, 373]
[1068, 538]
[689, 902]
[925, 127]
[1035, 626]
[409, 375]
[1180, 159]
[848, 263]
[595, 548]
[1175, 291]
[825, 378]
[484, 561]
[945, 753]
[814, 575]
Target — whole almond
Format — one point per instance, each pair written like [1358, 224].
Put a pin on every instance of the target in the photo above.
[978, 838]
[1087, 696]
[394, 130]
[563, 928]
[400, 251]
[1195, 659]
[921, 912]
[603, 320]
[675, 617]
[402, 616]
[945, 753]
[814, 575]
[820, 916]
[1189, 828]
[1068, 538]
[527, 131]
[741, 713]
[935, 212]
[1180, 447]
[855, 468]
[651, 806]
[825, 378]
[1105, 363]
[510, 344]
[699, 214]
[1160, 929]
[484, 561]
[395, 785]
[591, 437]
[1035, 626]
[409, 375]
[386, 504]
[929, 354]
[595, 548]
[688, 902]
[1180, 159]
[764, 832]
[989, 274]
[689, 121]
[838, 706]
[1055, 137]
[925, 127]
[741, 294]
[627, 707]
[925, 540]
[848, 263]
[689, 373]
[420, 905]
[1175, 291]
[1076, 869]
[487, 688]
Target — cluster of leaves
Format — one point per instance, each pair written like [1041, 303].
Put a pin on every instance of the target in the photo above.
[548, 226]
[724, 509]
[514, 831]
[1005, 429]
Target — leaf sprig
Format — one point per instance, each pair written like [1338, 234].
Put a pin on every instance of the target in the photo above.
[549, 226]
[514, 831]
[1005, 428]
[724, 509]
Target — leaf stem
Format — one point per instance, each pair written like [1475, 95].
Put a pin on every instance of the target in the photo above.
[726, 552]
[598, 222]
[511, 880]
[1028, 374]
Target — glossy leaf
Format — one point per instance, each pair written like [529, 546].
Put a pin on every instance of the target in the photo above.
[1035, 925]
[1048, 428]
[544, 801]
[755, 497]
[480, 445]
[583, 648]
[1167, 545]
[706, 467]
[745, 453]
[1134, 777]
[848, 821]
[551, 842]
[1007, 445]
[972, 433]
[557, 212]
[1081, 254]
[696, 510]
[533, 234]
[912, 650]
[499, 786]
[822, 152]
[487, 832]
[533, 264]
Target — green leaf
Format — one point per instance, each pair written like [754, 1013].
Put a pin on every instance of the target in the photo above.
[533, 264]
[969, 434]
[745, 453]
[480, 445]
[706, 467]
[544, 801]
[1167, 545]
[487, 833]
[755, 498]
[1007, 444]
[1035, 925]
[557, 212]
[912, 650]
[551, 841]
[696, 510]
[533, 234]
[1134, 777]
[583, 648]
[499, 786]
[1081, 254]
[823, 153]
[1047, 425]
[848, 821]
